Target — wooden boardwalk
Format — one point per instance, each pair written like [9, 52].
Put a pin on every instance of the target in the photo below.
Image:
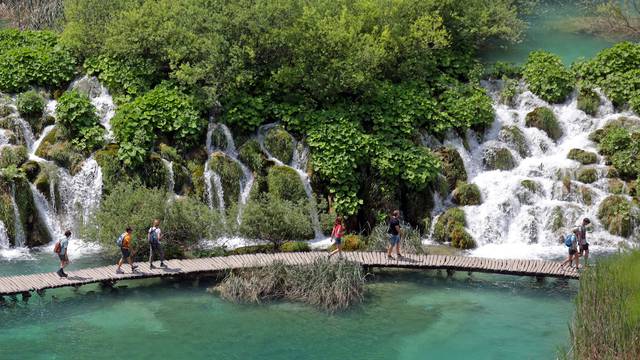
[23, 284]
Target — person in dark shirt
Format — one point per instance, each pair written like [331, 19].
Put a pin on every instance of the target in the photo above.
[582, 239]
[395, 232]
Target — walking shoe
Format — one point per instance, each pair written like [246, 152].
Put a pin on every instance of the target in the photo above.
[119, 271]
[134, 267]
[62, 273]
[59, 272]
[163, 265]
[151, 266]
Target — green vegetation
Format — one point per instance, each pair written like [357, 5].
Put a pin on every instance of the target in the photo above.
[513, 136]
[467, 194]
[77, 121]
[410, 242]
[618, 215]
[587, 175]
[250, 154]
[582, 156]
[607, 318]
[280, 144]
[450, 227]
[547, 77]
[544, 119]
[30, 105]
[328, 285]
[284, 183]
[621, 149]
[498, 158]
[13, 155]
[588, 100]
[452, 166]
[295, 246]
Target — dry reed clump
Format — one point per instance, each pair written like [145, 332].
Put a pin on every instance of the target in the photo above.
[327, 285]
[607, 318]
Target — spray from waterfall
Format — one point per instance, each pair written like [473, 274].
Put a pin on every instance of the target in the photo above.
[20, 238]
[4, 238]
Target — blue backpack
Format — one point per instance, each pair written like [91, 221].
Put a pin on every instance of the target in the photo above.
[153, 236]
[120, 240]
[568, 240]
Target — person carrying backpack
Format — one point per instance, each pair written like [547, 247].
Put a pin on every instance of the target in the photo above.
[124, 242]
[571, 241]
[337, 233]
[154, 236]
[61, 249]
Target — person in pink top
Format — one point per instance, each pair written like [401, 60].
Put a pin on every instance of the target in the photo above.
[336, 234]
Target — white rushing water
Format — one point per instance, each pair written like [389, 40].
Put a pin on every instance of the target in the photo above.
[4, 237]
[513, 222]
[20, 238]
[171, 181]
[80, 194]
[299, 164]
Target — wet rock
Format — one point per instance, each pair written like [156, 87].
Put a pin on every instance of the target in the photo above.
[582, 156]
[527, 191]
[498, 158]
[587, 175]
[588, 101]
[89, 86]
[513, 136]
[467, 194]
[618, 215]
[452, 166]
[544, 119]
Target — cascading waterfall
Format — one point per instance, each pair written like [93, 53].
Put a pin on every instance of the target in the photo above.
[47, 213]
[20, 238]
[4, 238]
[171, 182]
[299, 164]
[80, 194]
[514, 222]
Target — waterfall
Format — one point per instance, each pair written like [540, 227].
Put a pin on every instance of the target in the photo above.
[25, 129]
[80, 194]
[100, 98]
[513, 221]
[229, 149]
[36, 144]
[4, 238]
[20, 238]
[47, 213]
[299, 164]
[171, 182]
[4, 139]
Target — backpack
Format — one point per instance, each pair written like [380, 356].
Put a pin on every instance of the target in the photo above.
[568, 240]
[153, 235]
[120, 240]
[57, 247]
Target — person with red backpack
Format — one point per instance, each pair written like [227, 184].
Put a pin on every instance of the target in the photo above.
[61, 249]
[336, 234]
[124, 242]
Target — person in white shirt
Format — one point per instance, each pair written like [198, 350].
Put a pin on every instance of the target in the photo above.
[154, 236]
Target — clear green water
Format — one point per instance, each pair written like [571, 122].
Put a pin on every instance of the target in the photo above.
[407, 315]
[550, 29]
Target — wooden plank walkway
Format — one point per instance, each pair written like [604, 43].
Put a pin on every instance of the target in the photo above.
[37, 282]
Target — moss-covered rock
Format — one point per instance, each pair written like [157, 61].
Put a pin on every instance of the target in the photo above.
[153, 173]
[612, 172]
[452, 166]
[544, 119]
[597, 135]
[513, 136]
[31, 169]
[588, 100]
[7, 215]
[15, 155]
[285, 183]
[616, 186]
[467, 194]
[182, 178]
[61, 152]
[230, 176]
[582, 156]
[34, 228]
[280, 144]
[498, 158]
[112, 169]
[169, 153]
[527, 191]
[461, 239]
[556, 221]
[587, 175]
[587, 195]
[447, 222]
[617, 214]
[251, 155]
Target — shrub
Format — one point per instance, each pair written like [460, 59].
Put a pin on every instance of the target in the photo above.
[75, 113]
[509, 91]
[513, 136]
[547, 77]
[169, 153]
[582, 156]
[251, 154]
[616, 139]
[606, 323]
[295, 246]
[498, 158]
[327, 285]
[588, 100]
[13, 155]
[544, 119]
[284, 183]
[275, 220]
[163, 112]
[463, 106]
[617, 215]
[131, 76]
[186, 221]
[587, 195]
[351, 243]
[89, 139]
[447, 222]
[587, 175]
[253, 249]
[280, 144]
[461, 239]
[467, 194]
[30, 105]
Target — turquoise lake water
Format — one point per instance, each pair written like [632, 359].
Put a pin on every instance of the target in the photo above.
[406, 315]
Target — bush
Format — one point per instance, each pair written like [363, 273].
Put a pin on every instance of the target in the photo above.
[509, 91]
[617, 215]
[251, 154]
[544, 119]
[275, 220]
[187, 221]
[582, 156]
[447, 222]
[351, 243]
[467, 194]
[616, 139]
[89, 139]
[285, 183]
[75, 113]
[606, 323]
[280, 144]
[588, 100]
[30, 105]
[295, 246]
[131, 76]
[327, 285]
[547, 77]
[253, 249]
[461, 239]
[13, 155]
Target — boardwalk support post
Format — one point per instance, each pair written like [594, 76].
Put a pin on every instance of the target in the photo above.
[25, 296]
[539, 279]
[40, 292]
[450, 272]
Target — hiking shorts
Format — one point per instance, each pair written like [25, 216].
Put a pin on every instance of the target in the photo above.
[338, 241]
[394, 239]
[63, 257]
[573, 251]
[584, 247]
[126, 253]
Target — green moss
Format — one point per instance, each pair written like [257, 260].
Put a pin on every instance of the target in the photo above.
[587, 195]
[169, 153]
[15, 155]
[527, 190]
[112, 169]
[467, 194]
[30, 105]
[182, 178]
[544, 119]
[616, 186]
[295, 246]
[280, 144]
[587, 175]
[60, 151]
[612, 172]
[196, 170]
[31, 169]
[251, 155]
[557, 218]
[452, 166]
[461, 239]
[230, 175]
[588, 100]
[616, 213]
[498, 158]
[509, 91]
[597, 135]
[153, 173]
[582, 156]
[447, 222]
[35, 228]
[285, 183]
[6, 214]
[531, 185]
[513, 136]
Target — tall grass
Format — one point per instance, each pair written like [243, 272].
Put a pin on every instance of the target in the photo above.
[411, 242]
[607, 319]
[327, 285]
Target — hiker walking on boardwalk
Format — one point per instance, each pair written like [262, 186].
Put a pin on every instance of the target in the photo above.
[154, 236]
[571, 241]
[61, 248]
[582, 239]
[337, 233]
[124, 241]
[395, 232]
